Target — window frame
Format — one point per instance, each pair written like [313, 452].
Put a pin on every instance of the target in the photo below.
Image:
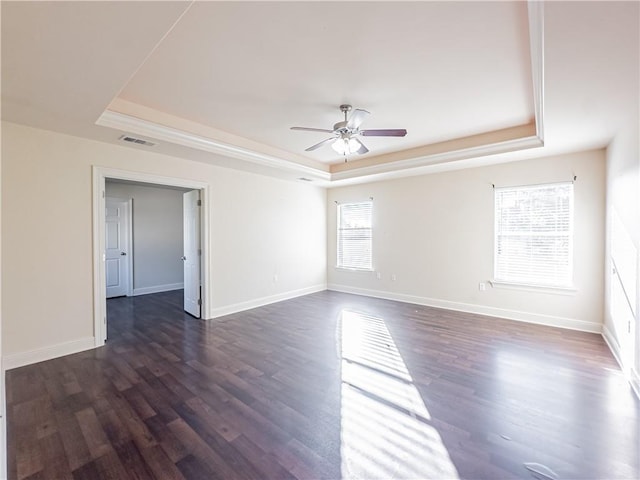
[339, 229]
[540, 285]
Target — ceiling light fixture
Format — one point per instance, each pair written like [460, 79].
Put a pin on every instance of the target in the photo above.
[346, 145]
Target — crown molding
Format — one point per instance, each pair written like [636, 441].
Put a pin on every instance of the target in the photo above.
[536, 52]
[392, 169]
[419, 165]
[411, 166]
[128, 123]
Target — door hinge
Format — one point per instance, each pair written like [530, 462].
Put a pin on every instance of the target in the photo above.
[199, 203]
[104, 320]
[103, 194]
[199, 301]
[199, 252]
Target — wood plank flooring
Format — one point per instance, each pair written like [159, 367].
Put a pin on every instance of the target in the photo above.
[329, 386]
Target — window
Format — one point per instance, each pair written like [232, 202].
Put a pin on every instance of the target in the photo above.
[534, 235]
[354, 235]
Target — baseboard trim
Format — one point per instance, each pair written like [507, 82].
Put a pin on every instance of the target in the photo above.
[635, 382]
[21, 359]
[612, 343]
[157, 289]
[614, 348]
[528, 317]
[259, 302]
[3, 427]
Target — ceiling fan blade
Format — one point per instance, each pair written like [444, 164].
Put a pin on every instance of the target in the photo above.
[392, 132]
[362, 148]
[356, 118]
[318, 145]
[308, 129]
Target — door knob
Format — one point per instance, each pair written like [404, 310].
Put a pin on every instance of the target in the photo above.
[123, 253]
[183, 258]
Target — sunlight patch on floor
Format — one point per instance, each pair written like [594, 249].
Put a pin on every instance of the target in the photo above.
[385, 430]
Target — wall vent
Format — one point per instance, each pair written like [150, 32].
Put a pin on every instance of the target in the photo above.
[139, 141]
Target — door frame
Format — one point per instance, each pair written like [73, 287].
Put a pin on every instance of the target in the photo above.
[128, 243]
[100, 174]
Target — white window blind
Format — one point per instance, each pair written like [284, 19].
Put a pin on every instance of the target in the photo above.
[355, 235]
[534, 235]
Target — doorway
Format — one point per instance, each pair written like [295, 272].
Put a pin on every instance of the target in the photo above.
[101, 174]
[164, 254]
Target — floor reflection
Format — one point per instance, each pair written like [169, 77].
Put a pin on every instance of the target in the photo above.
[385, 430]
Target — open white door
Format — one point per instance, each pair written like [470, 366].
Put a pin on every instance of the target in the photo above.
[117, 247]
[191, 257]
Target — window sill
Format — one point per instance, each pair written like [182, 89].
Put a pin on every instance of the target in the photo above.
[347, 269]
[533, 288]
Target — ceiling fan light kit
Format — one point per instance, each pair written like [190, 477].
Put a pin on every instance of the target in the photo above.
[346, 146]
[345, 139]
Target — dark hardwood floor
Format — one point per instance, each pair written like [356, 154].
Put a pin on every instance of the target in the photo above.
[328, 385]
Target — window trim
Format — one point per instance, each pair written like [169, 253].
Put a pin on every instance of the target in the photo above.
[338, 229]
[528, 287]
[568, 289]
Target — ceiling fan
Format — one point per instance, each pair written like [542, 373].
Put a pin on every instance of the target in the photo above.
[345, 139]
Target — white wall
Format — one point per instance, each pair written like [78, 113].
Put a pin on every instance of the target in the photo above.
[435, 234]
[260, 227]
[157, 235]
[282, 229]
[622, 289]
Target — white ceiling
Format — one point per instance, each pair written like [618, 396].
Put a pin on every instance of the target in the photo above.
[222, 82]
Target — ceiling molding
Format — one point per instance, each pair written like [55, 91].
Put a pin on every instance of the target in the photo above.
[536, 45]
[409, 165]
[127, 123]
[389, 169]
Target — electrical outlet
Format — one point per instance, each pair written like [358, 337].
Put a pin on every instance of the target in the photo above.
[482, 286]
[393, 277]
[378, 275]
[275, 278]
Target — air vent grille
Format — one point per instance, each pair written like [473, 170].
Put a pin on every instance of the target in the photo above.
[139, 141]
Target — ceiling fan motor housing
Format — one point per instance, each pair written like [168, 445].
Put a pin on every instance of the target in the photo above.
[341, 127]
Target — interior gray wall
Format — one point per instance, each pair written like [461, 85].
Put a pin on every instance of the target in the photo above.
[157, 235]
